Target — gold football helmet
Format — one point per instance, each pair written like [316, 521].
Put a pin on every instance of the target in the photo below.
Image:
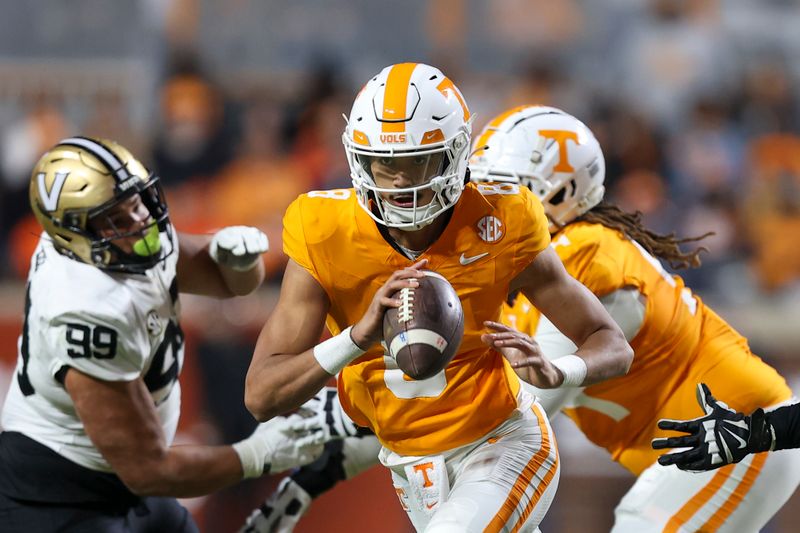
[101, 206]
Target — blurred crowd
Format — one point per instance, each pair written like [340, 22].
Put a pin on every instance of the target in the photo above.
[695, 105]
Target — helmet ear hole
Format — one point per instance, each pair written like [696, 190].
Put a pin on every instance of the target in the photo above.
[558, 197]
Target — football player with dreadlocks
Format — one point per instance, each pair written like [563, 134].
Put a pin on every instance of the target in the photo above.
[93, 408]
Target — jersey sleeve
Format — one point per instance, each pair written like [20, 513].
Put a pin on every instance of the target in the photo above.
[534, 230]
[593, 259]
[294, 237]
[104, 346]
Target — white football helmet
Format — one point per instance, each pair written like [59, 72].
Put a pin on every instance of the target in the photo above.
[549, 151]
[411, 111]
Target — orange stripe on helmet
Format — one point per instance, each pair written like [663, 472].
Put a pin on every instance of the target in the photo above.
[448, 86]
[395, 97]
[491, 127]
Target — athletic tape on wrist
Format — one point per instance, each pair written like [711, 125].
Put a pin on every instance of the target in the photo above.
[574, 369]
[252, 462]
[334, 353]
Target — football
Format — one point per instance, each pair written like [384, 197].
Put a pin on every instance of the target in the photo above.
[424, 333]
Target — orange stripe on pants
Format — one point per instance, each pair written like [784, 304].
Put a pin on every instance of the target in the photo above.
[690, 508]
[525, 478]
[735, 499]
[701, 498]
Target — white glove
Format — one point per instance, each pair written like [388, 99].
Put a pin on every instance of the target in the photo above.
[276, 446]
[281, 512]
[238, 247]
[324, 412]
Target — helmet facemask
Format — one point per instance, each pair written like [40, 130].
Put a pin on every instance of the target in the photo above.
[433, 174]
[120, 243]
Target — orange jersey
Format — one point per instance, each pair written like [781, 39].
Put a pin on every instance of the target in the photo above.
[494, 233]
[680, 343]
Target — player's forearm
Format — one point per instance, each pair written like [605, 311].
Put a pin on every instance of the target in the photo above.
[607, 355]
[241, 283]
[279, 383]
[200, 273]
[786, 423]
[185, 472]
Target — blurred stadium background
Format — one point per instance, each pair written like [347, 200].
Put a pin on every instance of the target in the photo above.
[237, 105]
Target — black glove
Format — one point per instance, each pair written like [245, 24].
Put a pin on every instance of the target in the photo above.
[719, 438]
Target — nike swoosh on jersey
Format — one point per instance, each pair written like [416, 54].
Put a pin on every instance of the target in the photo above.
[464, 260]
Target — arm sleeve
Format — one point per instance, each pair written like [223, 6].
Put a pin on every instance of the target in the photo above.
[554, 345]
[627, 311]
[786, 422]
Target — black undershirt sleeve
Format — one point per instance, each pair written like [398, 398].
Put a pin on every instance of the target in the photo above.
[786, 422]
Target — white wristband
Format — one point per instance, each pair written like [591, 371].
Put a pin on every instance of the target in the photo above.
[335, 353]
[252, 461]
[574, 369]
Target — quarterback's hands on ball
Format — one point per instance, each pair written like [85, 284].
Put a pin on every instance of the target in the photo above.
[277, 445]
[238, 247]
[369, 330]
[281, 512]
[720, 437]
[524, 354]
[325, 411]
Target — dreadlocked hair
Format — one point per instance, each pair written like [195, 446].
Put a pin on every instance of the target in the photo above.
[666, 247]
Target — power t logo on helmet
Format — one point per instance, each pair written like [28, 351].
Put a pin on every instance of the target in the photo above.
[565, 168]
[407, 143]
[100, 205]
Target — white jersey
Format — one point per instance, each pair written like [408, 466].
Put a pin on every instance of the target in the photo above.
[112, 326]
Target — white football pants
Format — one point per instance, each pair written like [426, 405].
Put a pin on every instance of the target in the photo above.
[502, 483]
[737, 498]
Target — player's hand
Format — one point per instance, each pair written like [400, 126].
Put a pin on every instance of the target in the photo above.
[524, 354]
[369, 330]
[720, 437]
[278, 445]
[238, 247]
[325, 412]
[281, 511]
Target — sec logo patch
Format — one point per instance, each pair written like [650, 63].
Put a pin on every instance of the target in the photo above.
[490, 229]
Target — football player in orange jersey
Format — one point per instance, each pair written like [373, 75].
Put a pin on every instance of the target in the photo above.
[677, 342]
[455, 467]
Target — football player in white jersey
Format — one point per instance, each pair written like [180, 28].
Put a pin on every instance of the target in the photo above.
[93, 408]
